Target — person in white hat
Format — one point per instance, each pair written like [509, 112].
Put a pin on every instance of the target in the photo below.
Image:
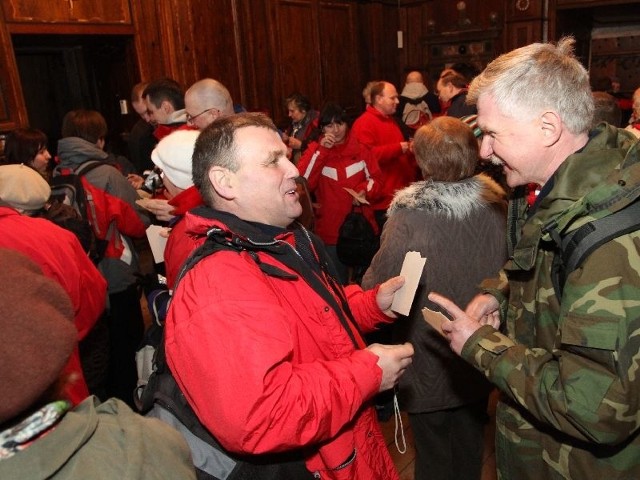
[172, 155]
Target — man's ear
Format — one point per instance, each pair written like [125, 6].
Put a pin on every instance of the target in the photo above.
[166, 106]
[222, 182]
[552, 126]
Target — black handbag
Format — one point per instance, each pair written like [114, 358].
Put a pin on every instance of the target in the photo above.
[357, 240]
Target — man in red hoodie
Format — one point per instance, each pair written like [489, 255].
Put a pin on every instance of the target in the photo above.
[377, 129]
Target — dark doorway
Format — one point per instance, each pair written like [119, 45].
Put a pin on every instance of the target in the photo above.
[59, 73]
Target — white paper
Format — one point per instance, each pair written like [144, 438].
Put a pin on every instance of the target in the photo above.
[157, 242]
[411, 271]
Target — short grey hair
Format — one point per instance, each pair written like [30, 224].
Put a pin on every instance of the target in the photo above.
[528, 80]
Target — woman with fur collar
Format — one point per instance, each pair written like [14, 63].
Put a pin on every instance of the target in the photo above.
[457, 221]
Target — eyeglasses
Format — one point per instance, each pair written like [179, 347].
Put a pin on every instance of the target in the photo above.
[190, 118]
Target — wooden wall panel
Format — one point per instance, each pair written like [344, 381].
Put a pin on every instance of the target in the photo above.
[214, 42]
[256, 56]
[297, 55]
[148, 44]
[178, 41]
[413, 23]
[341, 79]
[378, 42]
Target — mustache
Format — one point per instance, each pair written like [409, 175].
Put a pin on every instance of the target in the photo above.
[494, 160]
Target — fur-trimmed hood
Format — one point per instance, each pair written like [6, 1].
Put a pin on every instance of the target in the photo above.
[453, 199]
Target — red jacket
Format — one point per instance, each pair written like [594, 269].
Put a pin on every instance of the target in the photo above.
[267, 365]
[61, 258]
[383, 136]
[179, 246]
[329, 171]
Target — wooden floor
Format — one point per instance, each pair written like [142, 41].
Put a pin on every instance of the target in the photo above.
[405, 462]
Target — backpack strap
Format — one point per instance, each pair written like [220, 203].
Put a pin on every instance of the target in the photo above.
[87, 166]
[576, 246]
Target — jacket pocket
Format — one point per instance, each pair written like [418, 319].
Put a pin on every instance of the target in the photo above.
[585, 341]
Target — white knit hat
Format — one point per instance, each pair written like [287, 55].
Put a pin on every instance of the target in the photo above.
[173, 155]
[23, 188]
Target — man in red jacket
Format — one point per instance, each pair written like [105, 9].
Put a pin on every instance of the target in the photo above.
[261, 338]
[378, 129]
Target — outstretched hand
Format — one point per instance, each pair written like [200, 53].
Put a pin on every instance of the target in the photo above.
[460, 328]
[386, 291]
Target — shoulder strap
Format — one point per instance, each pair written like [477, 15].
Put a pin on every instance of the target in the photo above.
[579, 244]
[87, 167]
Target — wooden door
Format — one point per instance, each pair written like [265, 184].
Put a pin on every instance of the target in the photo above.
[339, 62]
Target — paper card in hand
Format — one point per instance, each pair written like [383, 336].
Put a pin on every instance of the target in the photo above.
[435, 319]
[411, 271]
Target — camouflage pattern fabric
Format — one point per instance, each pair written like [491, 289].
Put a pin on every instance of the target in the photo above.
[569, 373]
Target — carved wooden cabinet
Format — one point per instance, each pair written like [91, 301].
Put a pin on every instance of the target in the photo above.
[475, 47]
[68, 11]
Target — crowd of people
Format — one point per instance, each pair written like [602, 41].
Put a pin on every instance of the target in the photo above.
[281, 353]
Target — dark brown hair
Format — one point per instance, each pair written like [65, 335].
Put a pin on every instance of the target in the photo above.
[89, 125]
[23, 144]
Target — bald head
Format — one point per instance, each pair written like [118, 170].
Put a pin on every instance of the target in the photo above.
[206, 100]
[414, 77]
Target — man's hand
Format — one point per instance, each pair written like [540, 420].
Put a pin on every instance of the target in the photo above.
[135, 180]
[386, 291]
[393, 361]
[485, 307]
[460, 328]
[160, 208]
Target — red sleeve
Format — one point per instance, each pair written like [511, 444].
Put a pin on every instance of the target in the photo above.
[179, 247]
[365, 308]
[310, 165]
[373, 185]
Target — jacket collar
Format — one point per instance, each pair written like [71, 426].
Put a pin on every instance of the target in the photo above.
[453, 199]
[186, 200]
[378, 113]
[613, 162]
[201, 220]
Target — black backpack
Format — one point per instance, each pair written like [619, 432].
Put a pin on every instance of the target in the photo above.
[572, 249]
[72, 207]
[357, 241]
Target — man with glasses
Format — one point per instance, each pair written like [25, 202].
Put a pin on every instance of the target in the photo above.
[205, 101]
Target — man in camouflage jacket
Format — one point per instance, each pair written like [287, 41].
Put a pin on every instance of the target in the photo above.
[568, 370]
